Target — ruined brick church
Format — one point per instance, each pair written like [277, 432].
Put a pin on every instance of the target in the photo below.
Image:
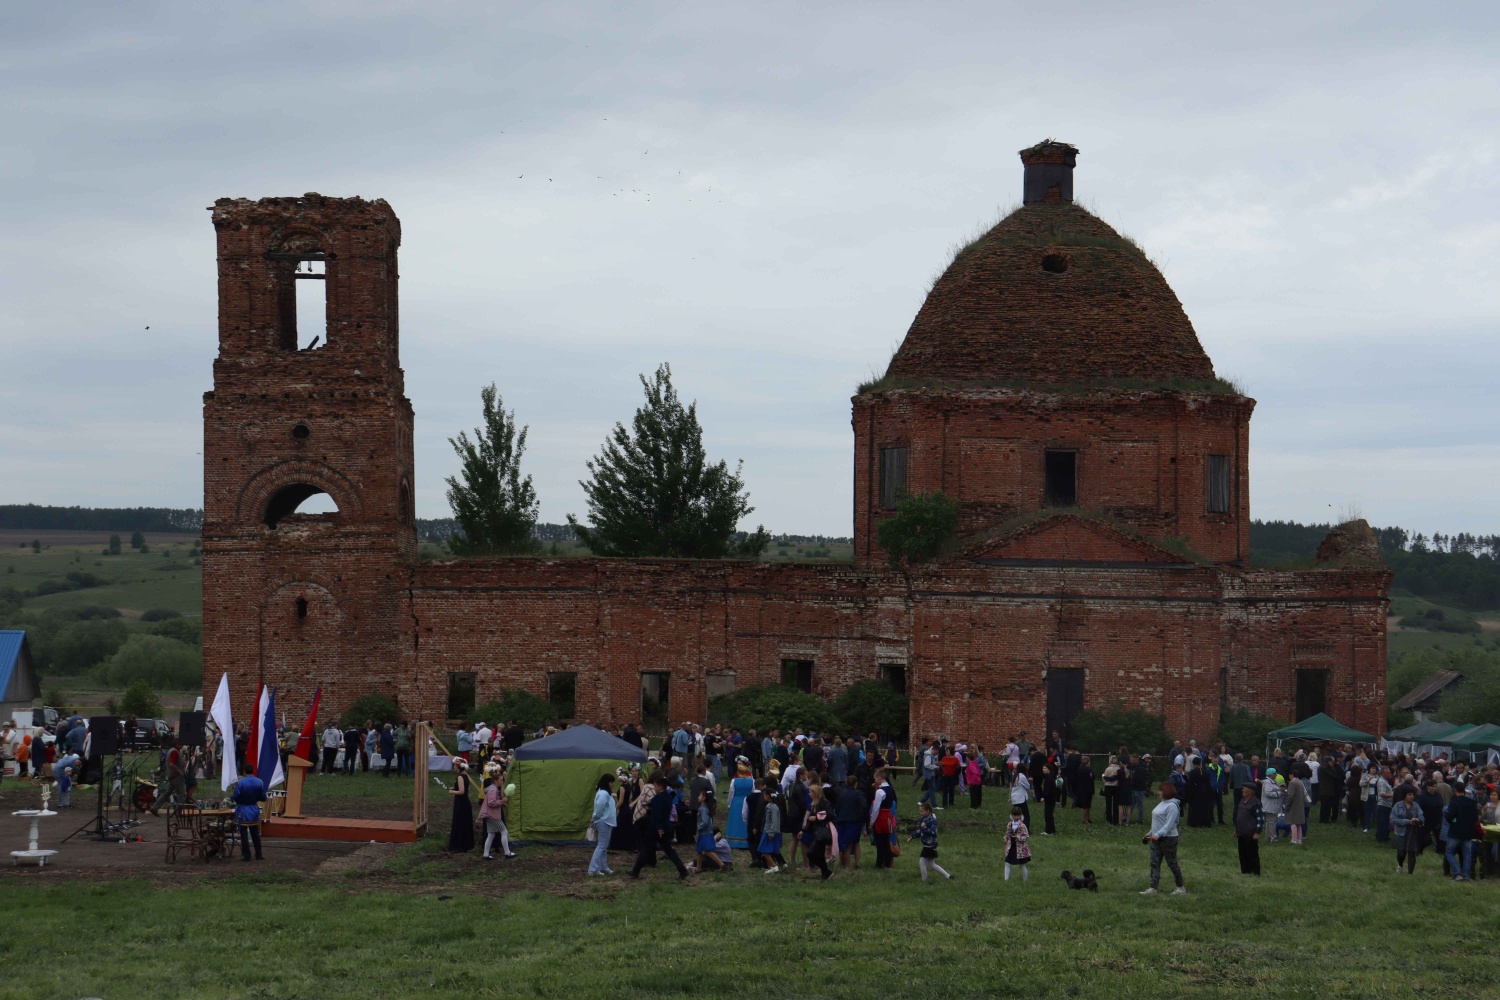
[1051, 384]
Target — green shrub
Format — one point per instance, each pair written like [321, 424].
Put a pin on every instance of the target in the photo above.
[871, 706]
[183, 629]
[1105, 730]
[375, 708]
[165, 664]
[159, 614]
[89, 611]
[84, 645]
[141, 701]
[1244, 731]
[772, 706]
[923, 525]
[529, 710]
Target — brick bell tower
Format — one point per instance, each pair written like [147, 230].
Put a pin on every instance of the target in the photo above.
[290, 598]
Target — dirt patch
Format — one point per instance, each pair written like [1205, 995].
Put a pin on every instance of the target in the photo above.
[366, 858]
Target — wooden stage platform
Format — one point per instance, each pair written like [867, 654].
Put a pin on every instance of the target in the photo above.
[333, 828]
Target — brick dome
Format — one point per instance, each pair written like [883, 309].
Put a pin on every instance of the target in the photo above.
[1051, 296]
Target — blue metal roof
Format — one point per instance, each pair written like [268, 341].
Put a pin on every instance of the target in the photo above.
[11, 643]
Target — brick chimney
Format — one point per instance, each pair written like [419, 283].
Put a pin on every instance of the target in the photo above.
[1049, 172]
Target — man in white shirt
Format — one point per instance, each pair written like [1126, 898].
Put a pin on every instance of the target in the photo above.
[333, 740]
[483, 737]
[1020, 795]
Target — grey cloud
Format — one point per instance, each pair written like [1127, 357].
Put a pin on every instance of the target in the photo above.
[1317, 184]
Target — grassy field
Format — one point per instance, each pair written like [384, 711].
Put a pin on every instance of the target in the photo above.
[164, 577]
[1330, 919]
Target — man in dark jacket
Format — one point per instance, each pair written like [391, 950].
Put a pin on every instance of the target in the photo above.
[1247, 823]
[1461, 815]
[1140, 783]
[838, 763]
[658, 833]
[755, 754]
[354, 742]
[1331, 786]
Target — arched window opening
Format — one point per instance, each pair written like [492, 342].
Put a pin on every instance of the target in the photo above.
[405, 511]
[301, 271]
[298, 498]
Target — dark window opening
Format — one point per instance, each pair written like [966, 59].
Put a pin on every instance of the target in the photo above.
[301, 432]
[561, 694]
[298, 498]
[404, 511]
[1312, 693]
[461, 696]
[1055, 263]
[892, 477]
[656, 698]
[1062, 478]
[301, 607]
[894, 674]
[1218, 484]
[797, 674]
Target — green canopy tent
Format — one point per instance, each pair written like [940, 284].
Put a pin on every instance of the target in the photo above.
[1479, 738]
[1320, 728]
[555, 779]
[1419, 731]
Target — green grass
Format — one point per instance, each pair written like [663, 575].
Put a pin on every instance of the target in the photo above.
[1329, 919]
[133, 582]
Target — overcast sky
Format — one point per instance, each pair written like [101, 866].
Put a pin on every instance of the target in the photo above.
[759, 194]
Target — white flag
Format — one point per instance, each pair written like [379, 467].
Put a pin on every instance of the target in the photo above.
[224, 719]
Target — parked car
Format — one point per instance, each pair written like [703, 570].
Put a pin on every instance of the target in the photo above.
[151, 732]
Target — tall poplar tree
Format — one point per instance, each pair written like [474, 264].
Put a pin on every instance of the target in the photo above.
[494, 505]
[654, 493]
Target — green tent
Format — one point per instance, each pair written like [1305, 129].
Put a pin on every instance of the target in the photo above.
[1457, 736]
[1320, 727]
[1442, 734]
[1479, 738]
[1420, 731]
[555, 779]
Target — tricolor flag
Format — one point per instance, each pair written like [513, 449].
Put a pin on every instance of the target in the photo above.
[263, 738]
[306, 745]
[224, 719]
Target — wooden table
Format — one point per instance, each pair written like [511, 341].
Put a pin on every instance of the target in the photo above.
[204, 833]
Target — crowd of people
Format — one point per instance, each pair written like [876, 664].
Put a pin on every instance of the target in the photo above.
[790, 799]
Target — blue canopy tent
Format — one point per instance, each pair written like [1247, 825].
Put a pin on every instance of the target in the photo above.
[555, 779]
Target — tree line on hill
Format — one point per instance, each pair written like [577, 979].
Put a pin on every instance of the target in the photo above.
[35, 517]
[1461, 569]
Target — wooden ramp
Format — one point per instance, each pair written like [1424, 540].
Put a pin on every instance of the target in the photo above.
[382, 831]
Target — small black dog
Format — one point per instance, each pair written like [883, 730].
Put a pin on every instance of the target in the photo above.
[1088, 881]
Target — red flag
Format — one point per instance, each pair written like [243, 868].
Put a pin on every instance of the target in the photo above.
[252, 749]
[305, 742]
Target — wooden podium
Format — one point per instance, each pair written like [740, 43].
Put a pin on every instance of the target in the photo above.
[296, 775]
[291, 822]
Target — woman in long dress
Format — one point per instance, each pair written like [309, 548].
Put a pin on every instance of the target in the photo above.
[1200, 798]
[461, 834]
[626, 796]
[741, 788]
[1083, 787]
